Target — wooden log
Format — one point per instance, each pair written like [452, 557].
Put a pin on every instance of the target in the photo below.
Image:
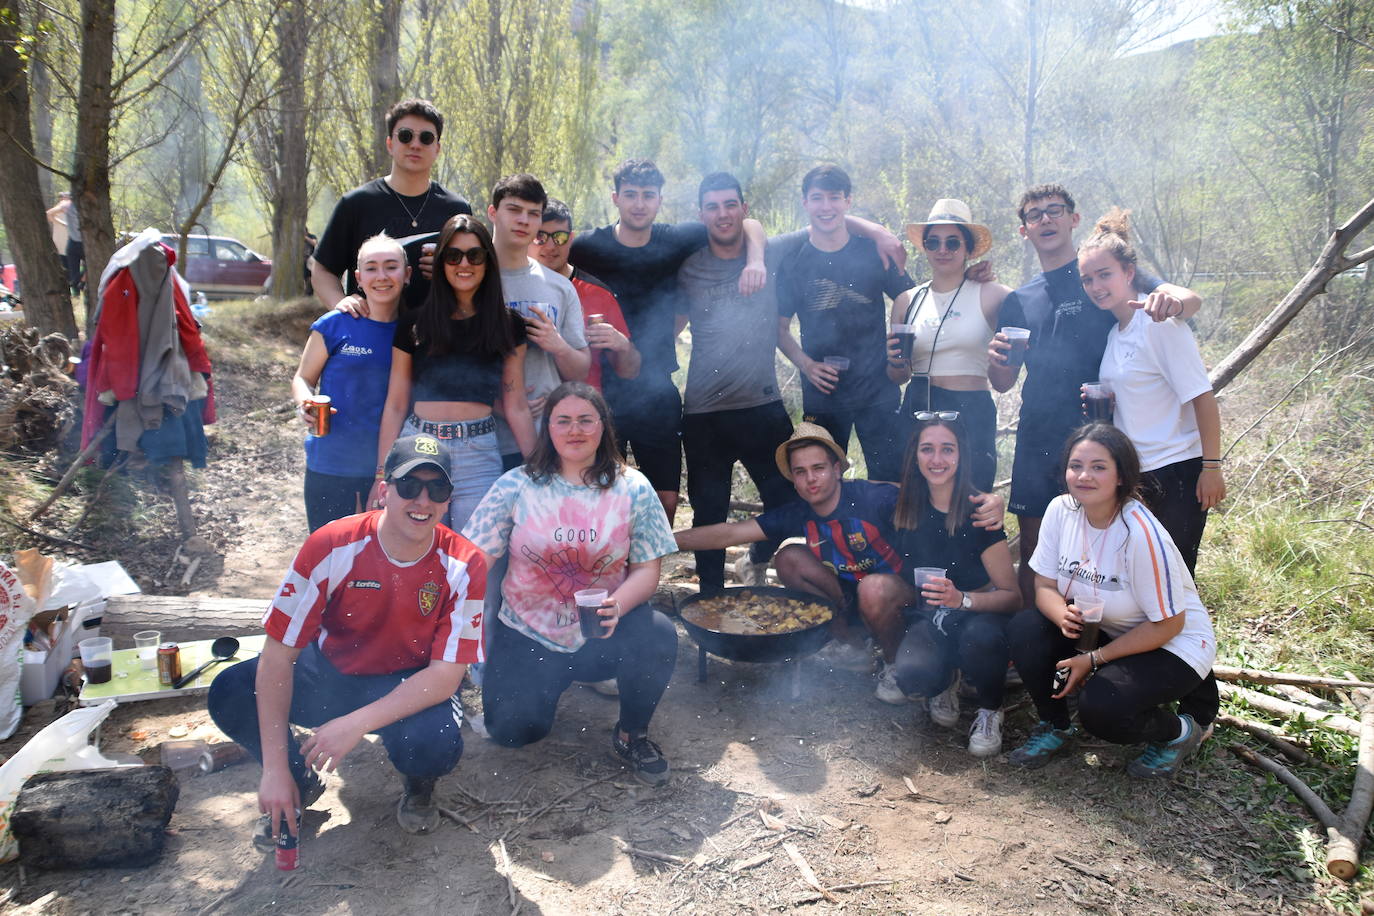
[182, 618]
[1224, 673]
[1278, 707]
[1343, 845]
[95, 818]
[1271, 736]
[1303, 698]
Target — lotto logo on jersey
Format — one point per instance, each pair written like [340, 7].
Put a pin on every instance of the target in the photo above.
[856, 540]
[428, 597]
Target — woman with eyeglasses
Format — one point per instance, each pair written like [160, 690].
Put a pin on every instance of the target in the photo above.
[1164, 399]
[453, 360]
[952, 318]
[575, 518]
[957, 625]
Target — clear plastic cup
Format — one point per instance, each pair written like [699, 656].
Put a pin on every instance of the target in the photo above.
[1089, 607]
[97, 657]
[839, 362]
[923, 574]
[1020, 343]
[589, 602]
[146, 642]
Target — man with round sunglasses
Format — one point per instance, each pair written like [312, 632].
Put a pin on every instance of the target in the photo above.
[406, 204]
[370, 632]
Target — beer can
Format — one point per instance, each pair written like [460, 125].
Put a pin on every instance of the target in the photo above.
[168, 664]
[218, 756]
[596, 318]
[320, 408]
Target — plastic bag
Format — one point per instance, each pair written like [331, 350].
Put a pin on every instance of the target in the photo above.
[62, 745]
[16, 607]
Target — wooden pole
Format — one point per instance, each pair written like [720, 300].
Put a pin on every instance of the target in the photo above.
[1343, 840]
[1255, 676]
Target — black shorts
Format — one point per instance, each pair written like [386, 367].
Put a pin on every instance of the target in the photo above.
[650, 432]
[1036, 478]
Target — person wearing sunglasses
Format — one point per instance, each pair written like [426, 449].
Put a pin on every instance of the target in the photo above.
[956, 627]
[453, 361]
[953, 318]
[1067, 337]
[406, 204]
[350, 361]
[573, 518]
[370, 632]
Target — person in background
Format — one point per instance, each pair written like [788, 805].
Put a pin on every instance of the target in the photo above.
[958, 624]
[57, 221]
[350, 361]
[1155, 645]
[953, 318]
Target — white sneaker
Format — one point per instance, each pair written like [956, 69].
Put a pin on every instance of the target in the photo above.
[750, 573]
[888, 690]
[985, 738]
[944, 706]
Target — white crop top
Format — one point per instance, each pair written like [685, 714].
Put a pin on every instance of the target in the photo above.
[963, 332]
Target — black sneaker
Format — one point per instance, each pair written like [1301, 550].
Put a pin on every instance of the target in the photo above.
[416, 812]
[263, 840]
[642, 756]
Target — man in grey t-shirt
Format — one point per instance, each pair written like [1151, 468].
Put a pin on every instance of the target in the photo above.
[732, 410]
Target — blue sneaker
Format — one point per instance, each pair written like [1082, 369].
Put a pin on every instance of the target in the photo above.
[1164, 760]
[1044, 742]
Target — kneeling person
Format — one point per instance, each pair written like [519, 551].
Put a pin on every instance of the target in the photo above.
[371, 632]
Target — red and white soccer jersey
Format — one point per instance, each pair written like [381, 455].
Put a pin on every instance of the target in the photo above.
[372, 615]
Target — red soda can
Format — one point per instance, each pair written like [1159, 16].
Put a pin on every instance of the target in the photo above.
[320, 409]
[287, 853]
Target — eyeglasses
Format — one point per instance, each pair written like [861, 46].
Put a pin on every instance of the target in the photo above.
[409, 488]
[405, 135]
[952, 243]
[581, 424]
[454, 256]
[1053, 211]
[923, 416]
[558, 238]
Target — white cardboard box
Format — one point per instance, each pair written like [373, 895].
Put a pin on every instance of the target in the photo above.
[42, 670]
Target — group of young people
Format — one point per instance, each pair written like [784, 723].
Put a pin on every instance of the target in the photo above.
[496, 380]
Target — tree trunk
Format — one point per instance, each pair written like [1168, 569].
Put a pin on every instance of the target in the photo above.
[288, 223]
[40, 82]
[386, 79]
[182, 619]
[95, 818]
[43, 282]
[95, 105]
[1028, 133]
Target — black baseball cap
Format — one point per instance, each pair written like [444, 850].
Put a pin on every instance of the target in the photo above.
[411, 452]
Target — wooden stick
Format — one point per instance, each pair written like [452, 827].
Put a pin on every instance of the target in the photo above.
[557, 801]
[654, 856]
[1278, 707]
[1270, 735]
[807, 874]
[1325, 816]
[506, 870]
[812, 898]
[1343, 845]
[1303, 698]
[81, 459]
[1224, 673]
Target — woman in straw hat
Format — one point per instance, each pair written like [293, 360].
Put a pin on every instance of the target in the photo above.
[952, 319]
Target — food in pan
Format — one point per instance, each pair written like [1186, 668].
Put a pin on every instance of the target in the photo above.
[755, 615]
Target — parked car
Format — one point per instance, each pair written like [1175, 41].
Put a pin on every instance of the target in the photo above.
[222, 268]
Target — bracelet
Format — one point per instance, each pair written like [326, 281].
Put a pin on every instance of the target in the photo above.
[1095, 659]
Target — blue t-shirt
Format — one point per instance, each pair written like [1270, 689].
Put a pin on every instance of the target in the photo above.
[355, 377]
[854, 540]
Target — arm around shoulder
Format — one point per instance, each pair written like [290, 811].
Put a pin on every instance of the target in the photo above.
[719, 536]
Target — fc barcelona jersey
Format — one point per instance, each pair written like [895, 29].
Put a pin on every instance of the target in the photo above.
[854, 540]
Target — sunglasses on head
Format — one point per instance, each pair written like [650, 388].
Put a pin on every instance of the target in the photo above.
[405, 135]
[558, 238]
[949, 416]
[455, 256]
[952, 243]
[409, 487]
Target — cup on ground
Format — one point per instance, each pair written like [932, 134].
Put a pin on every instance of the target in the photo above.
[146, 642]
[97, 657]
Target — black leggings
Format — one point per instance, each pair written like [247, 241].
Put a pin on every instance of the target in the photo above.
[972, 642]
[1170, 493]
[1126, 701]
[524, 679]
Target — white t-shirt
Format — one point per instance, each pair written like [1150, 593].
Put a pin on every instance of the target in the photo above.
[1155, 370]
[1133, 566]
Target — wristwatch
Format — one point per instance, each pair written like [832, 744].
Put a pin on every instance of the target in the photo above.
[966, 603]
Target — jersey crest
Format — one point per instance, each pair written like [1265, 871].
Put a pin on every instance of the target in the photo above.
[428, 597]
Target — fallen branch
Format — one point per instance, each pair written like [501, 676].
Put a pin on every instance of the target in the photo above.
[807, 874]
[1254, 676]
[652, 855]
[812, 898]
[1325, 816]
[1290, 710]
[506, 872]
[95, 496]
[1270, 735]
[1343, 843]
[81, 459]
[1083, 869]
[557, 801]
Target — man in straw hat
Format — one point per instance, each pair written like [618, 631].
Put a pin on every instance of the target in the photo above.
[848, 557]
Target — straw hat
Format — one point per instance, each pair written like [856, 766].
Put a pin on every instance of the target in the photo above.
[950, 212]
[811, 434]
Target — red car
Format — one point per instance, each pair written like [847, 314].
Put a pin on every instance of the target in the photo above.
[222, 268]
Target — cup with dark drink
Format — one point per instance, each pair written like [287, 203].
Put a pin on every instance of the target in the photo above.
[1098, 402]
[589, 604]
[1089, 607]
[923, 574]
[1019, 338]
[97, 657]
[840, 363]
[906, 338]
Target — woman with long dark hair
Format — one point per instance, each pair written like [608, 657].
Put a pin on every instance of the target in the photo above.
[1154, 645]
[453, 360]
[575, 517]
[959, 622]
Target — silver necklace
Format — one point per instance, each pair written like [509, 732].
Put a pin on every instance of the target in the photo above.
[414, 217]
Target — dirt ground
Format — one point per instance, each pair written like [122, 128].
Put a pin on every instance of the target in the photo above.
[886, 811]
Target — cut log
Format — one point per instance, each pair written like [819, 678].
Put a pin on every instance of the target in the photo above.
[1278, 707]
[181, 618]
[1343, 846]
[1224, 673]
[1271, 736]
[95, 818]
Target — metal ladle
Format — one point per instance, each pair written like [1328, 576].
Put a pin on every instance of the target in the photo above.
[221, 650]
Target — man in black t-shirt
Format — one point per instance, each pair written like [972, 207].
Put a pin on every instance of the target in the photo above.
[407, 205]
[834, 282]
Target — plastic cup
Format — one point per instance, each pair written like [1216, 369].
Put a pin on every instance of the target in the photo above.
[589, 602]
[923, 574]
[147, 641]
[1089, 607]
[1020, 343]
[427, 249]
[1098, 401]
[906, 338]
[97, 657]
[839, 362]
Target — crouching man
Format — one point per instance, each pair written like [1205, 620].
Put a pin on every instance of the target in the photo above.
[370, 633]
